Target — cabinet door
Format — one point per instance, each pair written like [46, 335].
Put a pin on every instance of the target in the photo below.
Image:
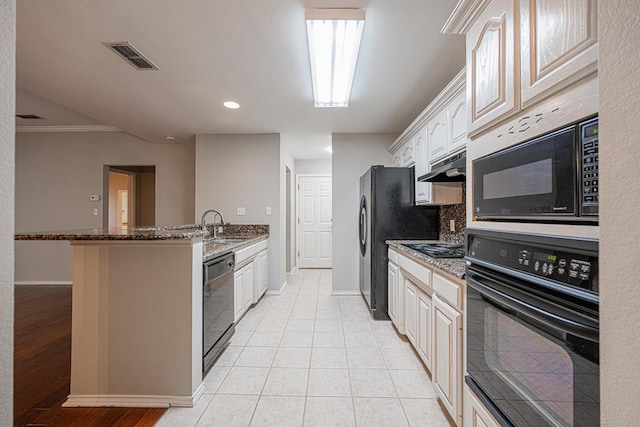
[407, 154]
[395, 160]
[491, 63]
[263, 275]
[392, 290]
[424, 328]
[422, 166]
[238, 294]
[437, 136]
[457, 120]
[248, 284]
[447, 360]
[475, 414]
[410, 315]
[560, 45]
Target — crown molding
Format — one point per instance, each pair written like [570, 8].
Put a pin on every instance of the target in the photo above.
[464, 14]
[72, 128]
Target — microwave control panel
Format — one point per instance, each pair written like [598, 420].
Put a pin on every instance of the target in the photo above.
[589, 176]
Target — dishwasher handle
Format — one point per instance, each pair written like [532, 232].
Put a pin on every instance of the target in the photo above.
[218, 267]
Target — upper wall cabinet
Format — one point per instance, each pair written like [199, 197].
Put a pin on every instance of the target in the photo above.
[439, 130]
[491, 65]
[520, 52]
[559, 41]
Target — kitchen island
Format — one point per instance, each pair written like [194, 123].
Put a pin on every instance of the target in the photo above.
[137, 313]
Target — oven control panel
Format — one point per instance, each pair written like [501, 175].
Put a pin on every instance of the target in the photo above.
[589, 174]
[553, 263]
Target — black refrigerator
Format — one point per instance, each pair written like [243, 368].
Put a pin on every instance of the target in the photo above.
[387, 212]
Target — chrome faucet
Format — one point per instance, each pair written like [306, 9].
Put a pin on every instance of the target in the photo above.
[203, 225]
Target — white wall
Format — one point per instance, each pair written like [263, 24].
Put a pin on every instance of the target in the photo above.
[7, 120]
[243, 171]
[619, 26]
[321, 167]
[57, 172]
[353, 154]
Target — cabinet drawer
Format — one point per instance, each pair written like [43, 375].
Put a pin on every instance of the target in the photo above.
[249, 252]
[420, 273]
[448, 290]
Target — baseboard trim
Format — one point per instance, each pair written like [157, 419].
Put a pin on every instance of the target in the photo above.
[42, 282]
[293, 270]
[277, 292]
[345, 293]
[132, 401]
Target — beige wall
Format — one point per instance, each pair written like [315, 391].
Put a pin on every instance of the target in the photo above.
[619, 24]
[353, 154]
[7, 120]
[243, 171]
[57, 172]
[322, 167]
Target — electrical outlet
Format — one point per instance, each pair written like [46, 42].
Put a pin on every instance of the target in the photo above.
[452, 225]
[240, 211]
[268, 210]
[94, 197]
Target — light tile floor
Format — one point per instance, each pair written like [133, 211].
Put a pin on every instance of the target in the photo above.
[307, 358]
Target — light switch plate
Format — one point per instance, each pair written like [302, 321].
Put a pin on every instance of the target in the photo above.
[95, 211]
[268, 210]
[240, 211]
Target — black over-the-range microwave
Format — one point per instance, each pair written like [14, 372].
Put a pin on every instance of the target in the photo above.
[553, 177]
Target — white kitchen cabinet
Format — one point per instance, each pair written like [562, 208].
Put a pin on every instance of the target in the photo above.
[262, 275]
[492, 61]
[243, 290]
[559, 41]
[423, 342]
[423, 189]
[447, 356]
[395, 160]
[521, 52]
[408, 154]
[410, 311]
[392, 291]
[437, 136]
[475, 414]
[457, 122]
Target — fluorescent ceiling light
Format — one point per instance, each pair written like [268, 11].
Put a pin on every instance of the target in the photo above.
[334, 39]
[231, 105]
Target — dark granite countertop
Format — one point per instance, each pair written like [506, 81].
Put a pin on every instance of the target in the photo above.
[454, 266]
[163, 232]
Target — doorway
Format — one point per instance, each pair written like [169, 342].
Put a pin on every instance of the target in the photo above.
[130, 196]
[314, 224]
[290, 259]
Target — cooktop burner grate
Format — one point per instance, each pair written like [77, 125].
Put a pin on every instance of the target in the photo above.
[438, 250]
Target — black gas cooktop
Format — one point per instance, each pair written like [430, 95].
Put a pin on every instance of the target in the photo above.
[438, 250]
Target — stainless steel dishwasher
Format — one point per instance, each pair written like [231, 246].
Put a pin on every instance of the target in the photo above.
[217, 307]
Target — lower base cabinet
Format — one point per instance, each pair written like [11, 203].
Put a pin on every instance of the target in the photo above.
[410, 311]
[447, 349]
[424, 345]
[262, 275]
[475, 414]
[243, 290]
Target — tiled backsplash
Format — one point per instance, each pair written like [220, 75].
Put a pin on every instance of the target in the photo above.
[459, 215]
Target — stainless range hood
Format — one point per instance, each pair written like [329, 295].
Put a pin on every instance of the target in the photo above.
[451, 169]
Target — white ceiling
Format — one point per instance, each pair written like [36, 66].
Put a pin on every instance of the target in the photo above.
[208, 51]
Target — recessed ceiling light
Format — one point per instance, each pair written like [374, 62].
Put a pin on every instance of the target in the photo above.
[170, 138]
[231, 105]
[329, 149]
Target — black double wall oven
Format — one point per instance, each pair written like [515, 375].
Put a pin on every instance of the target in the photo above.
[532, 328]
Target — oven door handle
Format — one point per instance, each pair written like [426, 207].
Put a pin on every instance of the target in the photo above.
[533, 312]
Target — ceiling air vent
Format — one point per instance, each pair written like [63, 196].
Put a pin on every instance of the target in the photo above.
[131, 55]
[29, 117]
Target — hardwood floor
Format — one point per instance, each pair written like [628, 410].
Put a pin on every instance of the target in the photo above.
[42, 366]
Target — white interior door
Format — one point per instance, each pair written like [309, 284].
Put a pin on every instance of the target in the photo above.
[314, 221]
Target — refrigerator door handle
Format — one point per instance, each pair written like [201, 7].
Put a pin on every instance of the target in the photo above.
[363, 225]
